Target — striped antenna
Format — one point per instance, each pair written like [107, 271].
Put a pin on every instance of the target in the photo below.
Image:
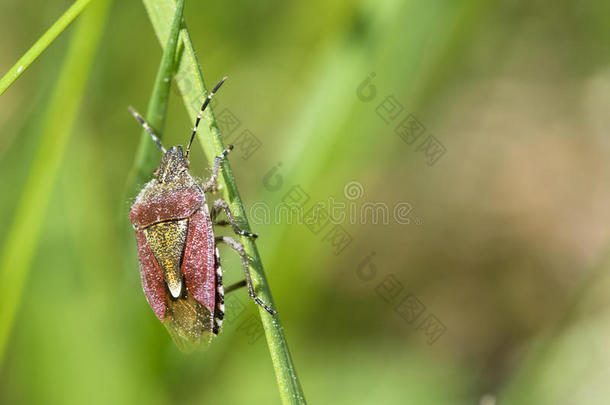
[147, 128]
[203, 107]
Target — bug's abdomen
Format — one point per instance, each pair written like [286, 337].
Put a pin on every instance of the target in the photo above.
[167, 241]
[178, 266]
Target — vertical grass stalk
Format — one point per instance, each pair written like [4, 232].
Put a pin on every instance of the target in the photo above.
[147, 155]
[192, 88]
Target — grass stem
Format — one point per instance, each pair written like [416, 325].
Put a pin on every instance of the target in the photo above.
[147, 156]
[192, 88]
[42, 44]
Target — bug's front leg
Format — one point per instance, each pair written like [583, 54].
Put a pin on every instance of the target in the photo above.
[222, 205]
[239, 247]
[211, 183]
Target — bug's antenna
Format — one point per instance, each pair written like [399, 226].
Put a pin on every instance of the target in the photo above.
[147, 128]
[203, 107]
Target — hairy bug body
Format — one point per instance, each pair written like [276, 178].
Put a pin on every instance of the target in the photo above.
[179, 261]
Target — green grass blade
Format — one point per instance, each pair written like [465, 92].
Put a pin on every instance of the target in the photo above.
[20, 244]
[43, 43]
[192, 87]
[147, 156]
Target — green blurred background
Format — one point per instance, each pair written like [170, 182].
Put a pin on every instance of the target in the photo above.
[507, 241]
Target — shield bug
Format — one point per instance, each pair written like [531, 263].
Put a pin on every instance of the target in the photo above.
[179, 261]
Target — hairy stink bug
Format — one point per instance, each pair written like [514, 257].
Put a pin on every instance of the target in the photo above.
[179, 261]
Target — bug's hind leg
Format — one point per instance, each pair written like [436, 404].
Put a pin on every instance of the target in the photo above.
[232, 243]
[220, 205]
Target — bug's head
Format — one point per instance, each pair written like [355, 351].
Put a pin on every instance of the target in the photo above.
[173, 163]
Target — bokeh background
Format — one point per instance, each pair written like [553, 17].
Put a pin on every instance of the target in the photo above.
[506, 247]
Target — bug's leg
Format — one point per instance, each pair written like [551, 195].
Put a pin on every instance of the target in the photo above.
[215, 188]
[232, 243]
[235, 286]
[211, 183]
[221, 204]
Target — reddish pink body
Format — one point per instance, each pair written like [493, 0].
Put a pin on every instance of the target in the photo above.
[197, 266]
[179, 261]
[176, 247]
